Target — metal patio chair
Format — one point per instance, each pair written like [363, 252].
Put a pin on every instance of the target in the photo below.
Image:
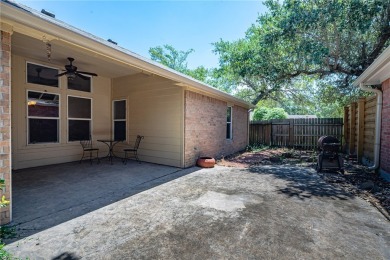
[133, 150]
[88, 149]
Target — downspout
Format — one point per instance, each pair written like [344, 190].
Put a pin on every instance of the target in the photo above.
[378, 122]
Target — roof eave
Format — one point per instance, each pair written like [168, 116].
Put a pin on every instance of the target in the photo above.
[368, 77]
[72, 35]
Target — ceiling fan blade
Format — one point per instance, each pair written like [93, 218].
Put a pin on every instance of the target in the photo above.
[82, 76]
[61, 74]
[87, 73]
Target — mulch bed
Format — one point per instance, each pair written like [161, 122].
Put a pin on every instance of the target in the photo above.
[357, 179]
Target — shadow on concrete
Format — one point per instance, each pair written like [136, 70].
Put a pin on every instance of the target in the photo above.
[66, 256]
[302, 182]
[49, 195]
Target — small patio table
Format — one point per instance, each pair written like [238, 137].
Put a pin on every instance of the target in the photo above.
[110, 143]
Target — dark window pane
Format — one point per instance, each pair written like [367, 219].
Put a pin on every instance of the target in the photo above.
[43, 104]
[228, 131]
[79, 130]
[119, 130]
[41, 75]
[80, 84]
[229, 114]
[120, 109]
[79, 107]
[43, 130]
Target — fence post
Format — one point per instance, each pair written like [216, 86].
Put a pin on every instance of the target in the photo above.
[352, 128]
[360, 130]
[345, 129]
[291, 133]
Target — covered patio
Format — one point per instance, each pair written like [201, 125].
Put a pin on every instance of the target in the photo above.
[47, 196]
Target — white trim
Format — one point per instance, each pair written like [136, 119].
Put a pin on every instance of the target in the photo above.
[40, 117]
[90, 81]
[42, 65]
[31, 22]
[119, 120]
[230, 122]
[78, 118]
[370, 74]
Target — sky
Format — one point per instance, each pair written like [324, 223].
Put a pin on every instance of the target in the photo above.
[140, 25]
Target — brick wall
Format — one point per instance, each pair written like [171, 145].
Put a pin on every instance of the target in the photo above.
[205, 128]
[385, 132]
[5, 121]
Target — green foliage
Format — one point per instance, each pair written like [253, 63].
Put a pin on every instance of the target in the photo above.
[257, 148]
[301, 51]
[170, 57]
[6, 232]
[264, 113]
[4, 255]
[177, 60]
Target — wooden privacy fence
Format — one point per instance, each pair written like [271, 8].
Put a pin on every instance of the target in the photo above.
[296, 133]
[359, 128]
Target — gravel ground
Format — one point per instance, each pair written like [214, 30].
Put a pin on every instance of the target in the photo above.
[357, 179]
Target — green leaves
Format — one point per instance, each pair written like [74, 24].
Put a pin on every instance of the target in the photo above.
[265, 113]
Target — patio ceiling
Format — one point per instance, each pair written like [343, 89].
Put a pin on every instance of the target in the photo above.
[85, 60]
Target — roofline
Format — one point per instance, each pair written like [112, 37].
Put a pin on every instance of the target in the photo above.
[59, 30]
[380, 61]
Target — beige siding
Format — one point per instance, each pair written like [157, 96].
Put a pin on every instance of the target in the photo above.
[43, 154]
[154, 110]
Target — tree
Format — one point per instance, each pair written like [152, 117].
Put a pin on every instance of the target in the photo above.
[333, 41]
[177, 60]
[265, 113]
[170, 57]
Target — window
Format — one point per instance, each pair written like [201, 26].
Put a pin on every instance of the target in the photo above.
[81, 84]
[119, 108]
[41, 75]
[79, 118]
[42, 117]
[229, 123]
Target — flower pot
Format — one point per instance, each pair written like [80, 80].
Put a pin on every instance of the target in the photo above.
[205, 162]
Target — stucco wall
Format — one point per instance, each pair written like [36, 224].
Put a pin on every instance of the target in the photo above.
[385, 132]
[154, 110]
[31, 155]
[5, 123]
[205, 128]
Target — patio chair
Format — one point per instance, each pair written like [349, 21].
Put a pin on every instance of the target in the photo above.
[88, 149]
[133, 150]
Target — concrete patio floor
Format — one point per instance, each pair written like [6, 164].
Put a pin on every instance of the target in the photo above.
[47, 196]
[269, 212]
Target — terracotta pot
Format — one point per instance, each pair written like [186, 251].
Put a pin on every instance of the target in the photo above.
[205, 162]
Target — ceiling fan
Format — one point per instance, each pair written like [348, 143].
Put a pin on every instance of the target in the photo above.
[71, 71]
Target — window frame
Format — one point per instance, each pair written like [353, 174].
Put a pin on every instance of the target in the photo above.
[28, 117]
[42, 65]
[75, 118]
[229, 123]
[81, 91]
[119, 120]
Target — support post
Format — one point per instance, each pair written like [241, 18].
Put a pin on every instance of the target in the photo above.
[345, 129]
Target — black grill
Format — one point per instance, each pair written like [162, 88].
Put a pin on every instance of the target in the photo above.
[329, 156]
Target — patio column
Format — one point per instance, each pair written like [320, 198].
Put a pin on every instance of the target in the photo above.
[5, 122]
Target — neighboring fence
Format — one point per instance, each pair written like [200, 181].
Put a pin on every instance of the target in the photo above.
[359, 128]
[296, 133]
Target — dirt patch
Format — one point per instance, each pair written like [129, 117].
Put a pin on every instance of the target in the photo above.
[356, 179]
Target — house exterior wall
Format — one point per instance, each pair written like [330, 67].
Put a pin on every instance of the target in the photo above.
[385, 132]
[205, 128]
[154, 110]
[31, 155]
[5, 123]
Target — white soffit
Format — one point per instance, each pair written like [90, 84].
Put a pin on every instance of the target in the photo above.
[377, 72]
